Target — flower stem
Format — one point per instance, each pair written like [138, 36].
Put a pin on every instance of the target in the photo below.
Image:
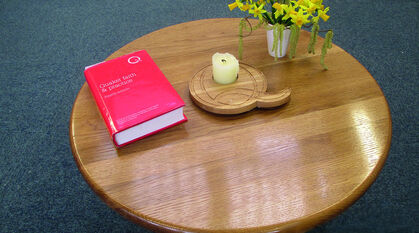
[313, 38]
[327, 44]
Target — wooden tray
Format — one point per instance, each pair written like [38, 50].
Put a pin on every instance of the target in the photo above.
[248, 92]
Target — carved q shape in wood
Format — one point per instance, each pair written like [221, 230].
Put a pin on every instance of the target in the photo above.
[248, 92]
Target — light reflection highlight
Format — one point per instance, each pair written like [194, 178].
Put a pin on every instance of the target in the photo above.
[366, 136]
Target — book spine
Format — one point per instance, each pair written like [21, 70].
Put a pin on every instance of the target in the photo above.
[104, 111]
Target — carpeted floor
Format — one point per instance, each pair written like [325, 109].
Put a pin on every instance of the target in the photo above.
[44, 46]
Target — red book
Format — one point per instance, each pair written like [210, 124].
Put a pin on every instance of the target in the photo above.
[134, 97]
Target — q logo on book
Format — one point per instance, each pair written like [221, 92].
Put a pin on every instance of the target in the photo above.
[134, 60]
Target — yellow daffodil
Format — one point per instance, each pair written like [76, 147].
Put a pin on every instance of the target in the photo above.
[300, 18]
[302, 2]
[235, 4]
[310, 8]
[322, 14]
[279, 9]
[318, 2]
[258, 11]
[289, 10]
[245, 7]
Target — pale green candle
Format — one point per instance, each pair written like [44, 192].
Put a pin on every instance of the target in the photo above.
[225, 68]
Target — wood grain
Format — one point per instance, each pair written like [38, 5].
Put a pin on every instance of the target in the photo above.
[245, 94]
[286, 169]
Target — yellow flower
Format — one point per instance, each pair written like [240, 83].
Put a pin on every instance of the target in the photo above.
[311, 7]
[322, 14]
[258, 11]
[235, 4]
[289, 10]
[300, 18]
[302, 2]
[279, 9]
[245, 7]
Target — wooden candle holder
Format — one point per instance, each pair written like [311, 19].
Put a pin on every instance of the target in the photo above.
[248, 92]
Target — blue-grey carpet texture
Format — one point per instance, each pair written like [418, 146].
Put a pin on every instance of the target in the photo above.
[44, 46]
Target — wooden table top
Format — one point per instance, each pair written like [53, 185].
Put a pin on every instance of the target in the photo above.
[288, 168]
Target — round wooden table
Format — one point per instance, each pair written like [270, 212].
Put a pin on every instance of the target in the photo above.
[283, 169]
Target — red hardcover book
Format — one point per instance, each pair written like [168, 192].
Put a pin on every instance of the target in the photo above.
[134, 97]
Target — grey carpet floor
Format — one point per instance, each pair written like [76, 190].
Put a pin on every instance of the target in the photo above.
[44, 46]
